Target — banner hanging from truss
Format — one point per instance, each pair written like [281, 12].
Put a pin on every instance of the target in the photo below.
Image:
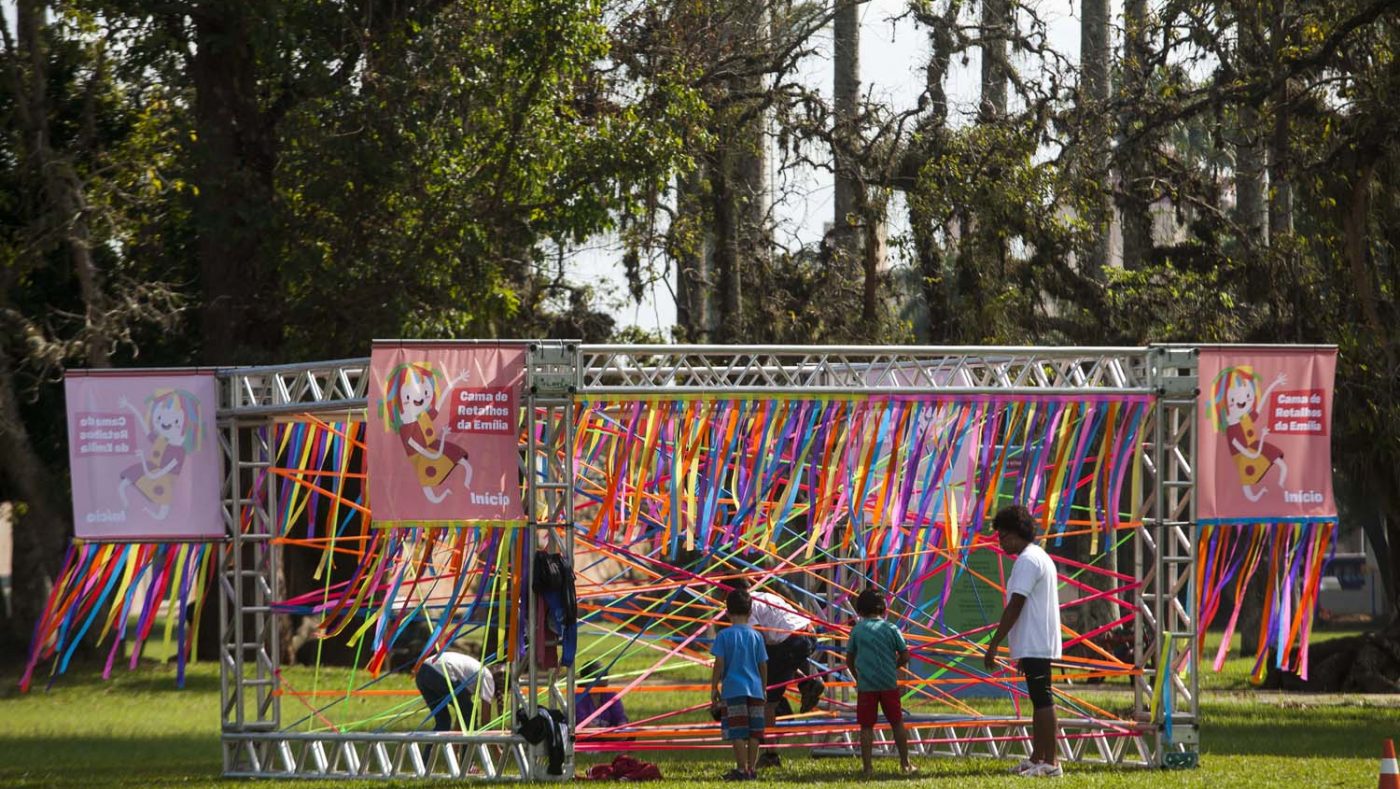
[143, 455]
[1265, 433]
[444, 433]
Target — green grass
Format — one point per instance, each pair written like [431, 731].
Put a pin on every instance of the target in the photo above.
[139, 730]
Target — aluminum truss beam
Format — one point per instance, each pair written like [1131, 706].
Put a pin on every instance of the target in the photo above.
[612, 370]
[1165, 552]
[558, 373]
[247, 581]
[741, 370]
[1080, 741]
[295, 388]
[551, 378]
[251, 399]
[379, 755]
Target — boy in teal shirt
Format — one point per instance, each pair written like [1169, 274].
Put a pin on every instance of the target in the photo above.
[875, 653]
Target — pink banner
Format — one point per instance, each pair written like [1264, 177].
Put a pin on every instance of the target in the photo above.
[143, 450]
[444, 433]
[1264, 449]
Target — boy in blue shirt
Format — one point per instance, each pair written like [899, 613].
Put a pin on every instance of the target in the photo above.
[875, 654]
[741, 666]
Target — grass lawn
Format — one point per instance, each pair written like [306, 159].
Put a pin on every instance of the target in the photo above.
[139, 730]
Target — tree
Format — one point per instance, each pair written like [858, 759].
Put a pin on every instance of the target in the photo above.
[78, 169]
[311, 176]
[1095, 57]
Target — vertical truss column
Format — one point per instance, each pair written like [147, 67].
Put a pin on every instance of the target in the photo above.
[248, 639]
[1165, 550]
[553, 373]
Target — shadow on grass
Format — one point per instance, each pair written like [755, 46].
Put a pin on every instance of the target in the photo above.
[108, 761]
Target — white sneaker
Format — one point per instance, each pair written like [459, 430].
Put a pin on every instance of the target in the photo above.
[1025, 765]
[1045, 770]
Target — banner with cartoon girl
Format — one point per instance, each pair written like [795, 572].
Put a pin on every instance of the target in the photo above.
[1264, 436]
[144, 455]
[443, 439]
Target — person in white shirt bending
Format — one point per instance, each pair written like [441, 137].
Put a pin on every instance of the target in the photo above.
[1031, 621]
[788, 634]
[454, 682]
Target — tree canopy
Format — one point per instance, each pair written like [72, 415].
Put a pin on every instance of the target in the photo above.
[242, 181]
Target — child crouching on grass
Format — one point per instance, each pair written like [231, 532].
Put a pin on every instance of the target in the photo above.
[875, 654]
[741, 666]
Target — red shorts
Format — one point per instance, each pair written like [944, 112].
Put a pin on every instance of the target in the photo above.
[888, 700]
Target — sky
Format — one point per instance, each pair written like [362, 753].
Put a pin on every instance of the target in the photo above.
[893, 54]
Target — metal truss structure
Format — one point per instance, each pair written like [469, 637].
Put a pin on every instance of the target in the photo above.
[1080, 740]
[560, 373]
[381, 755]
[620, 370]
[1165, 555]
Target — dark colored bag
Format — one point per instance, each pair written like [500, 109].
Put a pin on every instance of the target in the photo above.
[553, 574]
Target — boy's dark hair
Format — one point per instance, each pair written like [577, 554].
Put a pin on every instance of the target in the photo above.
[738, 603]
[1017, 520]
[870, 602]
[740, 583]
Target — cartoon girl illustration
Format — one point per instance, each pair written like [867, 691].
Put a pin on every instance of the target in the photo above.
[1233, 410]
[172, 425]
[413, 394]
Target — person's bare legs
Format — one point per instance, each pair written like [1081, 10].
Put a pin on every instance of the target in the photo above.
[754, 747]
[1043, 726]
[741, 754]
[867, 746]
[901, 744]
[770, 713]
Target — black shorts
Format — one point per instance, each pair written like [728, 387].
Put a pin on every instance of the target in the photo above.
[1037, 674]
[784, 660]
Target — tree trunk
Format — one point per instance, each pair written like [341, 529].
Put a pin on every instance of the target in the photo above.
[923, 225]
[1251, 209]
[750, 176]
[846, 234]
[1280, 188]
[858, 221]
[690, 249]
[1094, 90]
[1135, 191]
[996, 28]
[41, 531]
[738, 177]
[872, 250]
[729, 319]
[236, 157]
[933, 274]
[41, 528]
[942, 41]
[1389, 506]
[60, 181]
[1251, 612]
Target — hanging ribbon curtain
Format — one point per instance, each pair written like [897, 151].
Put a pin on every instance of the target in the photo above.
[111, 594]
[880, 475]
[1290, 557]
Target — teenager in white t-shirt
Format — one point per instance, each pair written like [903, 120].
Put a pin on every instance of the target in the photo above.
[1031, 625]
